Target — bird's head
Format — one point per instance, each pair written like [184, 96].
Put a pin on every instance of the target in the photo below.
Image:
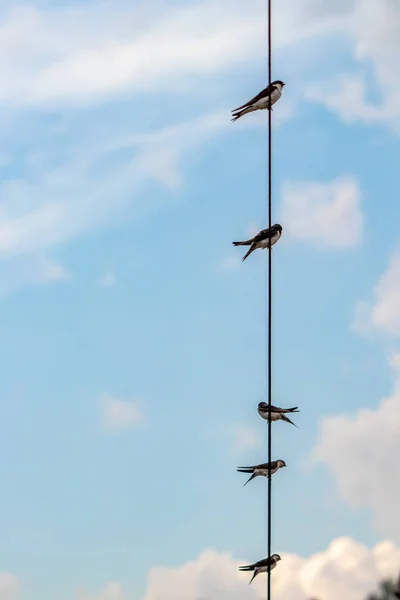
[281, 463]
[279, 83]
[276, 557]
[278, 227]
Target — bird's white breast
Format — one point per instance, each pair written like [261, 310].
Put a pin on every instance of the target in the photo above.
[266, 243]
[262, 569]
[261, 472]
[264, 414]
[264, 102]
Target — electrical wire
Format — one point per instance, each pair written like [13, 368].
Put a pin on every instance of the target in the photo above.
[269, 500]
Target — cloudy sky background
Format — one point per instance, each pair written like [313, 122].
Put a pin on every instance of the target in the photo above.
[133, 339]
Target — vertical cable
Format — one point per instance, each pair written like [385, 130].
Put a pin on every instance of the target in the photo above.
[269, 299]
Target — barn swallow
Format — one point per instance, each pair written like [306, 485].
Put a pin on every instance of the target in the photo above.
[262, 470]
[277, 414]
[265, 99]
[265, 239]
[262, 566]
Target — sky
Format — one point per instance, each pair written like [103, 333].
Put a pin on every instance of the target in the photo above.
[133, 338]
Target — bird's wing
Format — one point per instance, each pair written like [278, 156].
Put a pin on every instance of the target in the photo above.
[263, 235]
[247, 567]
[265, 407]
[265, 562]
[263, 94]
[254, 467]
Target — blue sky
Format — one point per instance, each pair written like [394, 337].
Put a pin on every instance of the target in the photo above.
[133, 340]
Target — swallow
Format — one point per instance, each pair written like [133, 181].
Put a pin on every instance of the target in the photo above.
[277, 414]
[262, 470]
[262, 566]
[265, 239]
[265, 99]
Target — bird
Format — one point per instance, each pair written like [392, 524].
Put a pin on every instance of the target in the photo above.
[277, 414]
[265, 239]
[262, 470]
[265, 99]
[262, 566]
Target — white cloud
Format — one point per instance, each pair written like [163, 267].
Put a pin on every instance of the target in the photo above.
[57, 204]
[229, 263]
[346, 96]
[91, 51]
[9, 586]
[90, 185]
[85, 53]
[20, 271]
[383, 313]
[372, 27]
[327, 214]
[346, 569]
[241, 437]
[117, 415]
[62, 55]
[108, 279]
[114, 591]
[361, 451]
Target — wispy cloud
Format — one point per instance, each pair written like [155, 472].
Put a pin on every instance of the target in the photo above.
[229, 263]
[118, 415]
[242, 438]
[372, 29]
[113, 591]
[327, 214]
[382, 314]
[9, 586]
[150, 48]
[62, 56]
[108, 279]
[29, 270]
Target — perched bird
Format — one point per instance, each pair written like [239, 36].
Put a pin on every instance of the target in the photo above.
[265, 239]
[262, 566]
[264, 469]
[263, 100]
[277, 414]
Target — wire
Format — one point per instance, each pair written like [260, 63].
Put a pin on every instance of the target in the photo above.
[269, 518]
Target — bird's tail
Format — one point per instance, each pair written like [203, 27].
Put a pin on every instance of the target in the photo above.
[250, 478]
[252, 248]
[294, 409]
[245, 470]
[284, 418]
[246, 243]
[254, 575]
[236, 114]
[246, 568]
